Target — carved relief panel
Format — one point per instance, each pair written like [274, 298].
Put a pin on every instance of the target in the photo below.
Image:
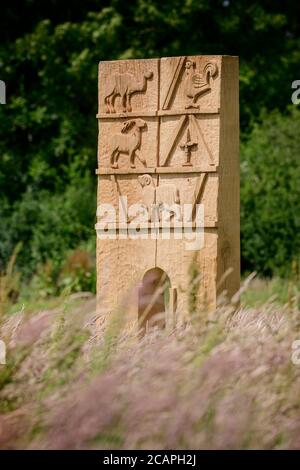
[190, 140]
[190, 83]
[128, 87]
[129, 143]
[160, 145]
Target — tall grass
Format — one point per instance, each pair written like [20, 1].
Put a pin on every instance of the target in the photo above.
[222, 380]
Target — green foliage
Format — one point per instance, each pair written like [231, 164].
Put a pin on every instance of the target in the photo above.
[78, 273]
[48, 137]
[48, 130]
[276, 290]
[270, 194]
[14, 362]
[9, 282]
[49, 224]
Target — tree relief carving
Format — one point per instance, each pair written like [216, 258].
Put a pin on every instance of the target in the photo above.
[187, 146]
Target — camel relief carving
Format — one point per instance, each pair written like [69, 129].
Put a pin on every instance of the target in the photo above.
[129, 144]
[124, 85]
[196, 83]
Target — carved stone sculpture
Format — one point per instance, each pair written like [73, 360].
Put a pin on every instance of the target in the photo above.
[178, 149]
[196, 84]
[124, 85]
[188, 146]
[148, 193]
[159, 201]
[168, 200]
[128, 143]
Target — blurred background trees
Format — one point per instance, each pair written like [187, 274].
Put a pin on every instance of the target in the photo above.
[49, 55]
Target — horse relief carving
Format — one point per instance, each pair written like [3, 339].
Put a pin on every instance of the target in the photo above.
[124, 85]
[128, 143]
[196, 83]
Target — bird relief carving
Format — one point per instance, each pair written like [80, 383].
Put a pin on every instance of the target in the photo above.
[197, 83]
[124, 86]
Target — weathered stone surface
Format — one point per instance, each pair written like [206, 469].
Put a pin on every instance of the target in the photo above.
[169, 134]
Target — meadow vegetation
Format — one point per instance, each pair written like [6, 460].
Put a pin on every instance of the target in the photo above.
[224, 381]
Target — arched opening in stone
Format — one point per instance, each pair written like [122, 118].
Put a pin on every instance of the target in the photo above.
[154, 300]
